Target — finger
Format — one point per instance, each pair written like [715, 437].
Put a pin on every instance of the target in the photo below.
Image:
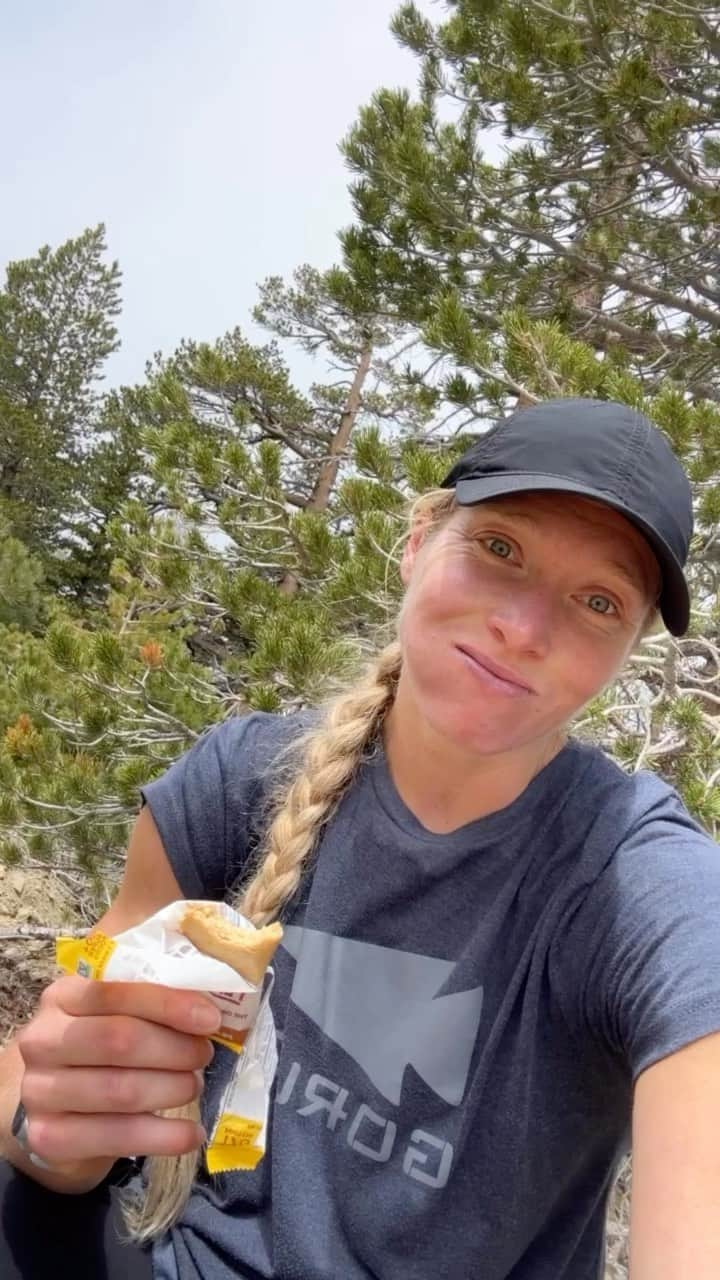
[190, 1011]
[113, 1089]
[56, 1040]
[61, 1139]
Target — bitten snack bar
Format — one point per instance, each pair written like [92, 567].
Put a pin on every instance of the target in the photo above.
[205, 946]
[247, 951]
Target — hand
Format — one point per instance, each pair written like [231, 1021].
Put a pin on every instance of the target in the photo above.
[101, 1057]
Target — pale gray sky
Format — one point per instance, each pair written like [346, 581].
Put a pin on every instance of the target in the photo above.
[202, 132]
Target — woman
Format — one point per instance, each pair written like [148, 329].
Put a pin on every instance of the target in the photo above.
[490, 929]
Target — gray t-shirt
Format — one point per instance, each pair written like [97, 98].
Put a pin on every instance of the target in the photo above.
[461, 1017]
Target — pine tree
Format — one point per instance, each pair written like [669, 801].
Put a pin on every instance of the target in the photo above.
[21, 581]
[252, 565]
[602, 211]
[112, 472]
[56, 330]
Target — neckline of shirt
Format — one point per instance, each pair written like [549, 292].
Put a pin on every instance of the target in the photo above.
[491, 825]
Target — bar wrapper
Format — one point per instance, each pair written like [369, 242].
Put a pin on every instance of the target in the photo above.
[156, 951]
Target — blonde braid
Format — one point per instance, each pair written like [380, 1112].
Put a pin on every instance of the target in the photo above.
[331, 755]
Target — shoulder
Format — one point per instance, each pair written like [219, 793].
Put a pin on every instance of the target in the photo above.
[228, 763]
[208, 805]
[624, 826]
[635, 798]
[639, 931]
[649, 835]
[249, 743]
[666, 842]
[240, 760]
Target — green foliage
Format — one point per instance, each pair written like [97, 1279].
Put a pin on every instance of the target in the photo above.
[230, 542]
[424, 468]
[21, 579]
[590, 221]
[64, 646]
[129, 776]
[56, 331]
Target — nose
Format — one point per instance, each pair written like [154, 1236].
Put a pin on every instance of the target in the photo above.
[523, 621]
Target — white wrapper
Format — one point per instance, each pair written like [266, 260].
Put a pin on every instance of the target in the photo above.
[156, 951]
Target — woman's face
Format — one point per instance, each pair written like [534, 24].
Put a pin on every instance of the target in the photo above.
[552, 588]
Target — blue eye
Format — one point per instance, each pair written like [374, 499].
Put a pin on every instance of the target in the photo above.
[503, 542]
[602, 599]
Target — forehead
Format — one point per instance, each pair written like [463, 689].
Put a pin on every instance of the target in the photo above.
[595, 527]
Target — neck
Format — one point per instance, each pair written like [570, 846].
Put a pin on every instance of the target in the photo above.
[446, 787]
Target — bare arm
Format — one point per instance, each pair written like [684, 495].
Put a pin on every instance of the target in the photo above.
[148, 884]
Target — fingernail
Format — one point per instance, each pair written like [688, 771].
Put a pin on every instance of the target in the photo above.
[205, 1018]
[201, 1081]
[202, 1135]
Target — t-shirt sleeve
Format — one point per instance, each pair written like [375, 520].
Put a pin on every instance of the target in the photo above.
[645, 943]
[203, 807]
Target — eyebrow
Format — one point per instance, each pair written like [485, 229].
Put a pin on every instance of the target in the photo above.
[622, 569]
[616, 565]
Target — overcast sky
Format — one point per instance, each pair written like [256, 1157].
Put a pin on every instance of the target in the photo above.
[203, 134]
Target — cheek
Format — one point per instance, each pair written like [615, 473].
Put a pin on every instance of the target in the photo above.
[585, 667]
[447, 587]
[420, 626]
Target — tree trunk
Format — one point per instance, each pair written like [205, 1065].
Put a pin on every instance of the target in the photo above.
[327, 476]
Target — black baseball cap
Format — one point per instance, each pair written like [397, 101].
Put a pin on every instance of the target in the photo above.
[602, 450]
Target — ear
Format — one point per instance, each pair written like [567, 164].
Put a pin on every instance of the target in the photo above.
[410, 550]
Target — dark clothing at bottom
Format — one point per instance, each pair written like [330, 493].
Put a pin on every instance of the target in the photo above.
[43, 1233]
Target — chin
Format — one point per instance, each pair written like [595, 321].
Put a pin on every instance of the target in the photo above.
[484, 727]
[473, 729]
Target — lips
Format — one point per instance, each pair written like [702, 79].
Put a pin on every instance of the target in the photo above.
[502, 673]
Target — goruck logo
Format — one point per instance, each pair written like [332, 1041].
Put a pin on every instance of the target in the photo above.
[383, 1008]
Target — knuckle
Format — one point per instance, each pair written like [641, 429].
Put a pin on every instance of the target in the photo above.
[124, 1091]
[104, 996]
[165, 999]
[172, 1007]
[177, 1007]
[70, 987]
[122, 1038]
[29, 1041]
[90, 997]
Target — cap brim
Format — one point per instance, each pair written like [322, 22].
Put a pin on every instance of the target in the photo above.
[674, 598]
